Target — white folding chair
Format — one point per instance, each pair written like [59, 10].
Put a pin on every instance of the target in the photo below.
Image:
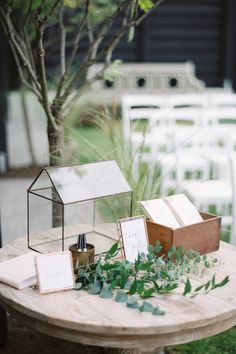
[212, 196]
[139, 108]
[185, 161]
[218, 196]
[222, 100]
[222, 124]
[186, 108]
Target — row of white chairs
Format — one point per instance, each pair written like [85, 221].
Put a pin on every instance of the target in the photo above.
[193, 145]
[191, 115]
[206, 176]
[198, 100]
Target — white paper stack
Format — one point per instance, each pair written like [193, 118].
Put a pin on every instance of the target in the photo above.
[173, 211]
[20, 271]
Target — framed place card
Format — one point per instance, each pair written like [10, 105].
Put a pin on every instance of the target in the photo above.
[134, 237]
[55, 272]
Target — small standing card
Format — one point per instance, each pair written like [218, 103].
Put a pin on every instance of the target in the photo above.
[55, 272]
[134, 236]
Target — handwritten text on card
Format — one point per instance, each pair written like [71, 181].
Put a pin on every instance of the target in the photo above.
[134, 236]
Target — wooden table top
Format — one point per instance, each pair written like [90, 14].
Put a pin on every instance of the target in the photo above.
[89, 319]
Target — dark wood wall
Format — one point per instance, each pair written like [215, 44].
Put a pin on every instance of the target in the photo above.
[202, 31]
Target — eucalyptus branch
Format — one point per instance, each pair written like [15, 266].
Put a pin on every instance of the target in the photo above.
[150, 274]
[42, 73]
[9, 29]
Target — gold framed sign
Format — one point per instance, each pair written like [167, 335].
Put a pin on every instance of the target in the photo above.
[55, 272]
[133, 236]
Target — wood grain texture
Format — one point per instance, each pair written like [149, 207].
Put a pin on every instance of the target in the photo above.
[203, 237]
[88, 319]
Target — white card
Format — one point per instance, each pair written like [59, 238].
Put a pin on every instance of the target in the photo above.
[55, 272]
[158, 211]
[134, 236]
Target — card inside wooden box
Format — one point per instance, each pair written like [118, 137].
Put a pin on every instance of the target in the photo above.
[203, 237]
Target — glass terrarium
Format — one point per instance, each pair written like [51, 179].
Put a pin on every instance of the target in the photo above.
[64, 202]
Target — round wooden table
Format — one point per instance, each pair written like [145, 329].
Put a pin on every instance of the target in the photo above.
[79, 317]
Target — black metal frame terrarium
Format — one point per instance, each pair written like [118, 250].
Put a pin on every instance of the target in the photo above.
[63, 202]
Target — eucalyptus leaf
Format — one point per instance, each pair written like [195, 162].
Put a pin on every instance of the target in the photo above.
[145, 265]
[99, 269]
[94, 289]
[213, 281]
[132, 299]
[222, 283]
[146, 307]
[148, 293]
[149, 275]
[140, 286]
[169, 287]
[187, 287]
[157, 312]
[121, 296]
[106, 292]
[207, 285]
[133, 287]
[151, 249]
[78, 286]
[112, 251]
[127, 285]
[158, 247]
[199, 288]
[132, 303]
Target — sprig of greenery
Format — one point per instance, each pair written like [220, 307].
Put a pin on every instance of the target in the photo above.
[151, 274]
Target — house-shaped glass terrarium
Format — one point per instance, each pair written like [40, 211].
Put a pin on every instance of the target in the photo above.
[64, 202]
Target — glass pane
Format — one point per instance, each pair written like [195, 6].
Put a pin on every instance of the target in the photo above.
[88, 181]
[45, 230]
[108, 210]
[44, 187]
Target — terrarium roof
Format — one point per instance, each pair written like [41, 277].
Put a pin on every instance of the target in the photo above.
[78, 183]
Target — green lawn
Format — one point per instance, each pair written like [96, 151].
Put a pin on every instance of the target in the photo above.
[224, 343]
[93, 144]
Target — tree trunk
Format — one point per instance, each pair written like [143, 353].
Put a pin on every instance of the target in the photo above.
[27, 126]
[56, 158]
[56, 144]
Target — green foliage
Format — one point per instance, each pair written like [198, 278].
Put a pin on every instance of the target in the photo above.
[121, 296]
[224, 343]
[107, 142]
[145, 5]
[187, 287]
[132, 284]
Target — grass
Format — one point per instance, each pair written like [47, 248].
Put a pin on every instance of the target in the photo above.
[94, 144]
[224, 343]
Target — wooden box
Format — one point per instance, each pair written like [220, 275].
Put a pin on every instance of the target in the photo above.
[203, 237]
